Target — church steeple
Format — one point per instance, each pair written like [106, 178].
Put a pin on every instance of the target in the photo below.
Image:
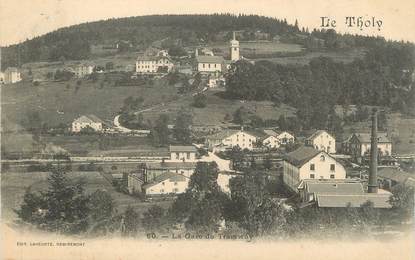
[234, 48]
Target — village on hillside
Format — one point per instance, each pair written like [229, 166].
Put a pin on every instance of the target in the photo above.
[158, 136]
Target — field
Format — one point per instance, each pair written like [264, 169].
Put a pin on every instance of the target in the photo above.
[339, 56]
[260, 47]
[61, 102]
[14, 184]
[217, 108]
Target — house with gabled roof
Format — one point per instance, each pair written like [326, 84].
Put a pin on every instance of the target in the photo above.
[275, 139]
[359, 144]
[322, 141]
[167, 183]
[161, 62]
[86, 121]
[310, 163]
[229, 138]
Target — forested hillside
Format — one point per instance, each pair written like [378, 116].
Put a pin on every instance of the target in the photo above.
[382, 78]
[75, 42]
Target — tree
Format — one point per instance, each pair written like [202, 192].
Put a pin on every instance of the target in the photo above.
[199, 100]
[101, 212]
[201, 206]
[160, 132]
[153, 218]
[236, 155]
[402, 201]
[181, 131]
[252, 207]
[241, 116]
[62, 208]
[131, 222]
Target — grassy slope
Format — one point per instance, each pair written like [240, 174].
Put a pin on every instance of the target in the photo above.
[48, 98]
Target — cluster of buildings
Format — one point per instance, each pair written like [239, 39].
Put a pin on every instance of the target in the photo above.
[170, 176]
[320, 179]
[227, 139]
[209, 65]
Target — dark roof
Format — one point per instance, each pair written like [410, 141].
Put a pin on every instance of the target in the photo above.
[395, 174]
[342, 201]
[152, 58]
[335, 188]
[171, 165]
[165, 176]
[89, 119]
[302, 155]
[182, 148]
[209, 59]
[365, 137]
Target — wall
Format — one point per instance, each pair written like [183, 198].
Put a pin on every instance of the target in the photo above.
[209, 67]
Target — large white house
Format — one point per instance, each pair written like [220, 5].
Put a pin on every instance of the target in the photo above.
[161, 62]
[232, 138]
[359, 144]
[83, 70]
[11, 75]
[167, 183]
[309, 163]
[87, 121]
[182, 153]
[323, 141]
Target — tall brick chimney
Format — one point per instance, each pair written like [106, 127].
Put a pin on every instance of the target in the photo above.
[373, 178]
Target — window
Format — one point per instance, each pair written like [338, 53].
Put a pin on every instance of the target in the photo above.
[215, 65]
[175, 183]
[209, 66]
[175, 190]
[188, 155]
[235, 49]
[162, 183]
[203, 65]
[331, 176]
[322, 158]
[177, 155]
[311, 176]
[332, 167]
[161, 191]
[312, 167]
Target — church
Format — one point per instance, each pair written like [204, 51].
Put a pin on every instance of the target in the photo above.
[207, 63]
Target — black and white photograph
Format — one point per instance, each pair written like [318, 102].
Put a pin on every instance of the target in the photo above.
[239, 129]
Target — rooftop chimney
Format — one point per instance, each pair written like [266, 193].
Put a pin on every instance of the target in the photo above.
[234, 38]
[373, 179]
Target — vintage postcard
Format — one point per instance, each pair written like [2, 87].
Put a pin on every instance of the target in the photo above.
[222, 129]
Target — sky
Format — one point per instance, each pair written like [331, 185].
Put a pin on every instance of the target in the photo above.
[24, 19]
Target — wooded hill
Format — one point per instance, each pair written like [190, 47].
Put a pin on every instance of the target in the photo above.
[74, 42]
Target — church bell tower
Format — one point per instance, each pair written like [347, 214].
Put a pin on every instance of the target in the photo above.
[234, 49]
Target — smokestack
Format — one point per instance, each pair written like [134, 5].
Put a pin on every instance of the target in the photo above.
[234, 38]
[373, 178]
